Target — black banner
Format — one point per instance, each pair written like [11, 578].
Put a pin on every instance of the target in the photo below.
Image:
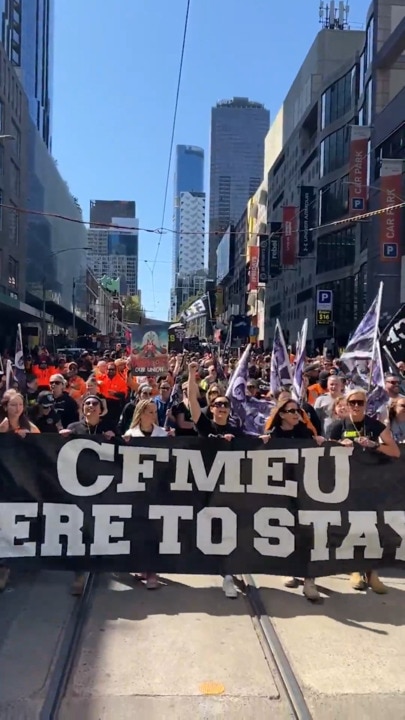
[264, 258]
[393, 336]
[276, 233]
[176, 335]
[199, 308]
[185, 505]
[307, 220]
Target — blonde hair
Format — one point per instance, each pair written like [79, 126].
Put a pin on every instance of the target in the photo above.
[356, 391]
[140, 408]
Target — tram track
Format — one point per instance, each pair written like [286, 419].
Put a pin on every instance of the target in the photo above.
[293, 693]
[68, 648]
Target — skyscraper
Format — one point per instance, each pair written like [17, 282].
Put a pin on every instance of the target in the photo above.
[114, 251]
[27, 36]
[188, 222]
[238, 129]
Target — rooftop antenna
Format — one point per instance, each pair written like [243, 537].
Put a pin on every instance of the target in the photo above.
[332, 17]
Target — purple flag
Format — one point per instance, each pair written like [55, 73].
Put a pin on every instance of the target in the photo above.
[280, 369]
[360, 349]
[300, 362]
[248, 413]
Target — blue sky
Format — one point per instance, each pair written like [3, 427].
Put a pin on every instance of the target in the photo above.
[115, 76]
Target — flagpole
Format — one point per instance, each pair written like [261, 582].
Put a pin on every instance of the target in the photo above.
[375, 338]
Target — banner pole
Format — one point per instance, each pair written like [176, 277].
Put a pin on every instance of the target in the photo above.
[375, 339]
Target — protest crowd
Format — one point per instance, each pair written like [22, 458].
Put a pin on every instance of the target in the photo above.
[220, 393]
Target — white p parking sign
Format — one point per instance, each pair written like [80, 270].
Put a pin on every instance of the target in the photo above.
[324, 299]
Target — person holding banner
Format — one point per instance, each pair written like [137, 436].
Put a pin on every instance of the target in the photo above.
[287, 422]
[218, 427]
[372, 434]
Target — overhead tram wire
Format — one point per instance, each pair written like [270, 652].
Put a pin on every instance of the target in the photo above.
[169, 164]
[162, 230]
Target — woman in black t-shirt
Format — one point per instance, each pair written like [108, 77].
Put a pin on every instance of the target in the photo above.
[368, 433]
[287, 422]
[218, 427]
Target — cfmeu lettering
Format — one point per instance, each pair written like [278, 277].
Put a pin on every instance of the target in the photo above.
[267, 474]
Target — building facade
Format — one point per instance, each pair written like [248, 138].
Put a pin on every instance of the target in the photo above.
[27, 36]
[188, 223]
[238, 131]
[113, 250]
[308, 147]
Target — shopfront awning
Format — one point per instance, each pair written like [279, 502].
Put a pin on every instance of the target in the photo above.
[13, 310]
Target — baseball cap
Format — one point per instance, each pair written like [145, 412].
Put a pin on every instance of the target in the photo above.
[45, 399]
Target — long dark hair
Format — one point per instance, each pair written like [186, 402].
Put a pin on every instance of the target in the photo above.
[23, 422]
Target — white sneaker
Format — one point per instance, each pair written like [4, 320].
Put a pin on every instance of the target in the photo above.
[310, 590]
[228, 586]
[291, 582]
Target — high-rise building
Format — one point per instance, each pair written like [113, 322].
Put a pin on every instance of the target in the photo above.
[27, 36]
[113, 251]
[238, 130]
[189, 223]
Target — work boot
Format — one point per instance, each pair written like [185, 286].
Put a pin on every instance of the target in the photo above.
[357, 581]
[4, 577]
[78, 584]
[376, 584]
[291, 582]
[310, 590]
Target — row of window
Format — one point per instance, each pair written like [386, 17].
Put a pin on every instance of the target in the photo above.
[366, 110]
[392, 148]
[14, 131]
[366, 57]
[339, 98]
[10, 86]
[335, 250]
[334, 200]
[335, 150]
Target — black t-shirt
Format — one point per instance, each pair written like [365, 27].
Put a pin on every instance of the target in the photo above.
[347, 429]
[81, 427]
[206, 427]
[299, 432]
[47, 423]
[182, 409]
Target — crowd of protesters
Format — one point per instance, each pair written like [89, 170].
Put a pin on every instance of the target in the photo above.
[102, 394]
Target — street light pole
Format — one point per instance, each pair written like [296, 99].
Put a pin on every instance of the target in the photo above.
[54, 254]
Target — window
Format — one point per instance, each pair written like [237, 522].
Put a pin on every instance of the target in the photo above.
[393, 147]
[335, 151]
[13, 273]
[1, 116]
[1, 160]
[339, 98]
[361, 73]
[17, 139]
[334, 200]
[335, 250]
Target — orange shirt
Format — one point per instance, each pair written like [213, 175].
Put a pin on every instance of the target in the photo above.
[43, 376]
[314, 392]
[76, 388]
[116, 384]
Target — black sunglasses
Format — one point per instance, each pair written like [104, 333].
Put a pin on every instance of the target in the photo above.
[92, 403]
[291, 411]
[221, 404]
[359, 403]
[55, 382]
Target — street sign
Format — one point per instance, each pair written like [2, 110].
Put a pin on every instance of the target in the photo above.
[390, 250]
[324, 307]
[324, 317]
[358, 204]
[324, 299]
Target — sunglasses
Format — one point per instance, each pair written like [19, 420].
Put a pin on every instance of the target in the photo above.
[91, 403]
[165, 387]
[393, 382]
[221, 404]
[291, 411]
[354, 403]
[55, 382]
